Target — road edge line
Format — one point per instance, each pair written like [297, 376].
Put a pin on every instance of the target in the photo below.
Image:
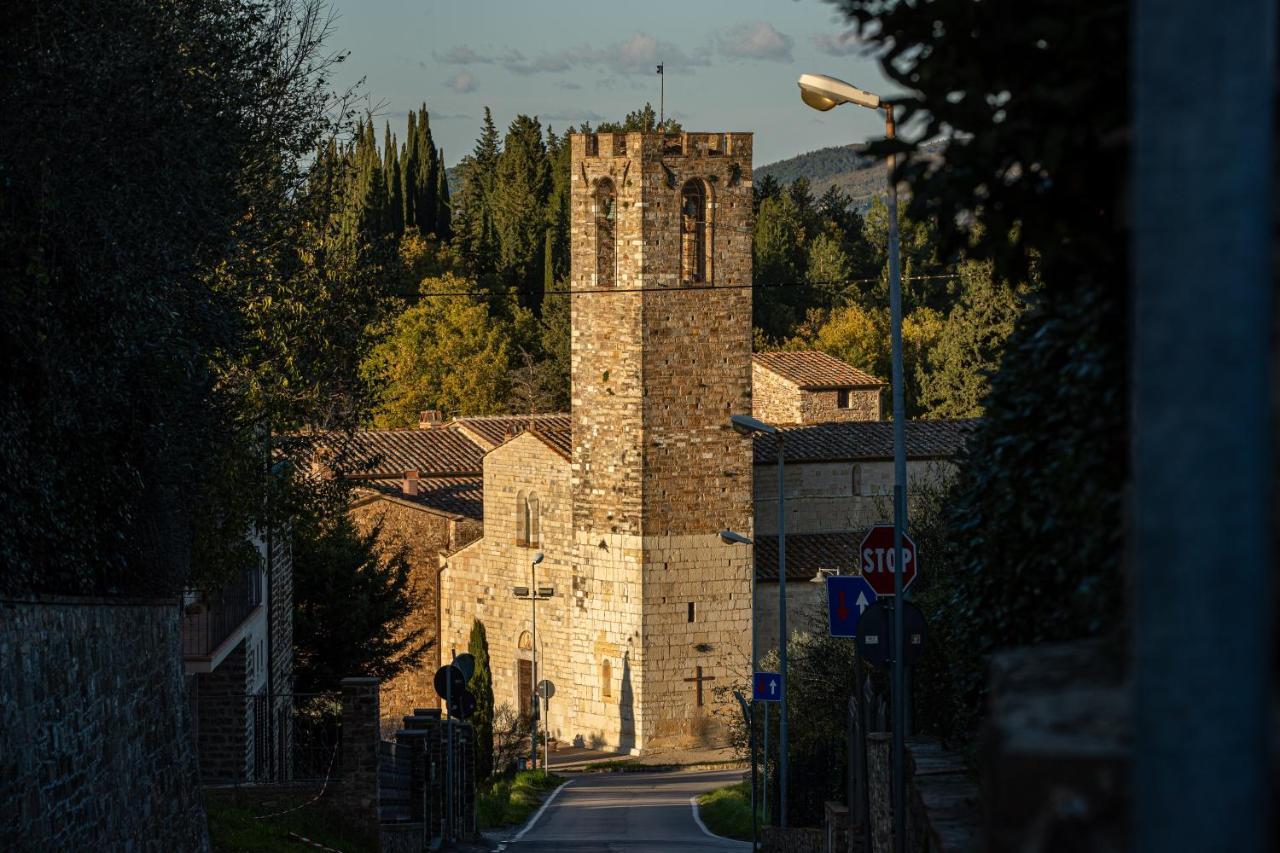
[533, 820]
[697, 818]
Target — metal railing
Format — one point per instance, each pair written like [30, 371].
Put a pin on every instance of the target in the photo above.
[212, 616]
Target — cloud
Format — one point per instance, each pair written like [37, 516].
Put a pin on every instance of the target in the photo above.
[568, 84]
[462, 82]
[755, 40]
[844, 44]
[638, 54]
[460, 54]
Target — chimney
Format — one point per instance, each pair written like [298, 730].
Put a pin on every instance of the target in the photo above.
[410, 485]
[429, 417]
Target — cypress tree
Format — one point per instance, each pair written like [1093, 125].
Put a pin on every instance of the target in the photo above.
[409, 171]
[426, 178]
[444, 213]
[520, 193]
[395, 199]
[481, 686]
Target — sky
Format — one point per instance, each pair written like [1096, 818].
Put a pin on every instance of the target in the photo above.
[731, 65]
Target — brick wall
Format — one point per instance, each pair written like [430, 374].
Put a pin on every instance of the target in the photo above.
[776, 400]
[95, 751]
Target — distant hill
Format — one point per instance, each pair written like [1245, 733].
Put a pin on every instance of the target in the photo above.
[844, 166]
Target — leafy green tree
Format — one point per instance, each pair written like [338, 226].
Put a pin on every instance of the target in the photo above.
[446, 352]
[829, 267]
[351, 602]
[155, 211]
[1030, 178]
[644, 120]
[481, 686]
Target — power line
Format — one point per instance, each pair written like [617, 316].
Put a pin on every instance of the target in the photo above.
[677, 288]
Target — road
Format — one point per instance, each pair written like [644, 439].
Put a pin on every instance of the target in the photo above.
[628, 813]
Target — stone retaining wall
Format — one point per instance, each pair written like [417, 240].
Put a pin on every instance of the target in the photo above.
[95, 748]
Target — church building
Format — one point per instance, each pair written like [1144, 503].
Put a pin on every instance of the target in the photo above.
[644, 614]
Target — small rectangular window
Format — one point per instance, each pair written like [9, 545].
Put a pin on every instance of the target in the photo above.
[691, 611]
[842, 400]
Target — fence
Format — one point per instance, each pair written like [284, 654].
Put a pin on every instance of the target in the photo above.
[266, 738]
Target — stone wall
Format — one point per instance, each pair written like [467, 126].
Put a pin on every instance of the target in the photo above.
[478, 580]
[424, 534]
[806, 610]
[223, 723]
[831, 496]
[95, 751]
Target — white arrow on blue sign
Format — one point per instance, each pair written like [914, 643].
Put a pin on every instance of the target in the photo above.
[767, 687]
[847, 597]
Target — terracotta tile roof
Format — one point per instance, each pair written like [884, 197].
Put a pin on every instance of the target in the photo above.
[806, 554]
[855, 440]
[558, 439]
[391, 452]
[458, 495]
[811, 369]
[492, 430]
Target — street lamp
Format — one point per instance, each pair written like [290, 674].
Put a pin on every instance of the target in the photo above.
[729, 537]
[534, 593]
[823, 93]
[746, 425]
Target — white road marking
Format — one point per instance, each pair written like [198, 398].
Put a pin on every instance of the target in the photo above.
[697, 818]
[533, 820]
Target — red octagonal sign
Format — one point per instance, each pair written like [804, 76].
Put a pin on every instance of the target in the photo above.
[875, 558]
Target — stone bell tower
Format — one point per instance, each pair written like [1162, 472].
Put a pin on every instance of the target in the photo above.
[661, 355]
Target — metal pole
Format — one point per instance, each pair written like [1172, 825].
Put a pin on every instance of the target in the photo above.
[782, 635]
[533, 606]
[448, 758]
[1201, 423]
[755, 809]
[764, 771]
[899, 505]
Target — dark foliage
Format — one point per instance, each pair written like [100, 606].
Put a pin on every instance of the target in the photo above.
[481, 686]
[350, 604]
[1036, 158]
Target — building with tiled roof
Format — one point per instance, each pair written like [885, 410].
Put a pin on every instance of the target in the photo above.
[809, 386]
[489, 431]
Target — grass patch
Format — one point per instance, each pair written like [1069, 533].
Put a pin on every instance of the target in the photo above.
[511, 799]
[232, 828]
[727, 811]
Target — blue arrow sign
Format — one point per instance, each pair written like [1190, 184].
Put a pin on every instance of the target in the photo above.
[847, 597]
[767, 687]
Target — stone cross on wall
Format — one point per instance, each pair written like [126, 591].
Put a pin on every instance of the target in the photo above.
[699, 678]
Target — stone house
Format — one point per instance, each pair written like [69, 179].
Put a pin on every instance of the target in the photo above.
[809, 386]
[237, 646]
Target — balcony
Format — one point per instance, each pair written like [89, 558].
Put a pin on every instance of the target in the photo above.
[211, 619]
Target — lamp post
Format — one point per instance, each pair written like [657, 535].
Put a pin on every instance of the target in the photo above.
[729, 537]
[535, 594]
[746, 425]
[823, 93]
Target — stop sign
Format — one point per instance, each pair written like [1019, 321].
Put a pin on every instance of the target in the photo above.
[875, 558]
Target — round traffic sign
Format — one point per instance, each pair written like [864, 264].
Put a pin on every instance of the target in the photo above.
[463, 705]
[546, 689]
[876, 559]
[446, 674]
[467, 664]
[875, 633]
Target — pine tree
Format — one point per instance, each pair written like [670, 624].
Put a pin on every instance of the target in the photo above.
[519, 200]
[473, 219]
[481, 686]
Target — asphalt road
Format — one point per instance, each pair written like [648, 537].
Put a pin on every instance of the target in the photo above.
[628, 813]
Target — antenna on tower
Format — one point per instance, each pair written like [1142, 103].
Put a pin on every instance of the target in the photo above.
[662, 96]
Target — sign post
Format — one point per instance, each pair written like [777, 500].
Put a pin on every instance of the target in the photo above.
[848, 597]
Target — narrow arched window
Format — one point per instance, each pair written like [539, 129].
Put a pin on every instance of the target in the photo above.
[522, 519]
[857, 480]
[605, 208]
[695, 233]
[533, 520]
[606, 680]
